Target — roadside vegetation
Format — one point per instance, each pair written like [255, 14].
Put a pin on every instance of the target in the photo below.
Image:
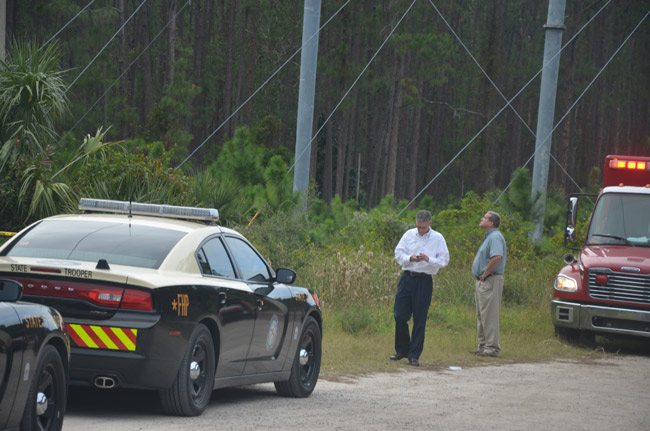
[341, 250]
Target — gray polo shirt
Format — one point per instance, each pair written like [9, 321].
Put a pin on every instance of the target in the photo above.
[494, 244]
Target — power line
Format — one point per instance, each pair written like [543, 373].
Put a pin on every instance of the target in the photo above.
[260, 87]
[499, 112]
[497, 88]
[587, 88]
[105, 46]
[67, 24]
[354, 83]
[129, 66]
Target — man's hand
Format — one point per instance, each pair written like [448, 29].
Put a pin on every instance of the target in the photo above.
[421, 257]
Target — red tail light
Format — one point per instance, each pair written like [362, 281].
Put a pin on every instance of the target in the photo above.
[137, 300]
[103, 296]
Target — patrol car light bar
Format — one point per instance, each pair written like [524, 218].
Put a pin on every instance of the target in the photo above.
[122, 207]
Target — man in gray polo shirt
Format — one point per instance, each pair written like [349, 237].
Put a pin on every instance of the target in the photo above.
[487, 268]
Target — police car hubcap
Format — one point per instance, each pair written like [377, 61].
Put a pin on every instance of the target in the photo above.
[303, 357]
[41, 403]
[195, 370]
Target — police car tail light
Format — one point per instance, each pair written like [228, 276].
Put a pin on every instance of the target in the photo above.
[103, 296]
[137, 300]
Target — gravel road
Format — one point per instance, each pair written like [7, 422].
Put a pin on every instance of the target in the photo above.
[600, 394]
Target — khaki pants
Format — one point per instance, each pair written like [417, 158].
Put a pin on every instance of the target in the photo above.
[488, 303]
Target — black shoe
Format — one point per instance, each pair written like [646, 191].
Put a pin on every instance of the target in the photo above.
[397, 357]
[414, 362]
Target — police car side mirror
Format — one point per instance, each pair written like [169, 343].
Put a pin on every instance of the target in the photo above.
[10, 290]
[285, 275]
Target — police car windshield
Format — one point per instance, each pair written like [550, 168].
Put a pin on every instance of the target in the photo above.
[621, 219]
[87, 240]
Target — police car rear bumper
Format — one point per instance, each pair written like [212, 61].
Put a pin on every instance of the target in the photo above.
[153, 364]
[107, 370]
[601, 319]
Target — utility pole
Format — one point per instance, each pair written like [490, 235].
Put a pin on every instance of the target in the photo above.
[545, 114]
[3, 28]
[305, 120]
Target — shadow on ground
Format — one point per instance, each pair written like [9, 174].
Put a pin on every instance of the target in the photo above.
[90, 401]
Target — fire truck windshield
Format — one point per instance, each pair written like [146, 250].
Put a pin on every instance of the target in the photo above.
[622, 219]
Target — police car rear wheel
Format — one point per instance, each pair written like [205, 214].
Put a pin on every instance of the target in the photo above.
[306, 364]
[45, 405]
[191, 391]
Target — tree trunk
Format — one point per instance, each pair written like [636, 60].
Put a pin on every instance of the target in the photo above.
[147, 76]
[391, 169]
[124, 131]
[172, 45]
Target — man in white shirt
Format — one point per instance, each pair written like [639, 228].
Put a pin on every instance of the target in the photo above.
[421, 252]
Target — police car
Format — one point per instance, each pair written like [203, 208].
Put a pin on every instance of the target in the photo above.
[34, 357]
[152, 300]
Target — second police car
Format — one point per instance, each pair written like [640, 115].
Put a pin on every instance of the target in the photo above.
[34, 358]
[155, 302]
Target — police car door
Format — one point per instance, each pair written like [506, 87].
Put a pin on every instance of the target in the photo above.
[265, 353]
[236, 309]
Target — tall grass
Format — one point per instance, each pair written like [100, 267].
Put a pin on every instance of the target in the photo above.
[345, 278]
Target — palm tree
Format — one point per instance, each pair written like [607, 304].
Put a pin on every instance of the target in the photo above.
[32, 98]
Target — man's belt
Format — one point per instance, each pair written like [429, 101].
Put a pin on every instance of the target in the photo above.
[487, 276]
[416, 274]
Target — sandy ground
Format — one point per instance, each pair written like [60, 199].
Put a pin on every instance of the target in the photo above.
[603, 394]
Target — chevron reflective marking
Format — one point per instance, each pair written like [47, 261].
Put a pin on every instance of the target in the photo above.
[103, 337]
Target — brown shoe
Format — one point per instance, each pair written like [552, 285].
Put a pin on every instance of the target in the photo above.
[490, 354]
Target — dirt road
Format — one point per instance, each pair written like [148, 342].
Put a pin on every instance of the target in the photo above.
[603, 394]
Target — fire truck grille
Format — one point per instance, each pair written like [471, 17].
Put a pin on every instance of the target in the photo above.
[617, 286]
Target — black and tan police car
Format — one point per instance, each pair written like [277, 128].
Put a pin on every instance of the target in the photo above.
[34, 358]
[153, 301]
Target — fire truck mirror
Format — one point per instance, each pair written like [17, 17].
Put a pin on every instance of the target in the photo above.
[569, 234]
[572, 212]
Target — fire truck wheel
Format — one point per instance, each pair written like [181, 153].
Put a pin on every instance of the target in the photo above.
[191, 392]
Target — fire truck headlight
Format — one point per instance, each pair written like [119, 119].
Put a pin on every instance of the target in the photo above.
[565, 284]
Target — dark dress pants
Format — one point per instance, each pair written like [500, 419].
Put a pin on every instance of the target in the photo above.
[413, 298]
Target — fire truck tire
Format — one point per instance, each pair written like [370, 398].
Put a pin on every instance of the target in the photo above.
[191, 392]
[45, 405]
[306, 364]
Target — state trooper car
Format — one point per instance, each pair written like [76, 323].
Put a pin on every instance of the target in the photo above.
[155, 302]
[34, 358]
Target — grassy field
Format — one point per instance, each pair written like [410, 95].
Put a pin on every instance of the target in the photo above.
[527, 335]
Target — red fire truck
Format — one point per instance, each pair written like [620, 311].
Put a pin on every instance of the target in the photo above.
[606, 288]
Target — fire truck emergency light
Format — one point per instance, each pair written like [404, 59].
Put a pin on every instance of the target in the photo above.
[626, 171]
[628, 164]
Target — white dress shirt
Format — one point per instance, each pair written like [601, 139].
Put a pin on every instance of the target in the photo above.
[431, 243]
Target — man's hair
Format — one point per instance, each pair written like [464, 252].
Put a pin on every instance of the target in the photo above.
[423, 216]
[495, 218]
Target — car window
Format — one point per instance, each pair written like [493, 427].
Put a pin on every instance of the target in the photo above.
[203, 262]
[250, 264]
[217, 260]
[91, 240]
